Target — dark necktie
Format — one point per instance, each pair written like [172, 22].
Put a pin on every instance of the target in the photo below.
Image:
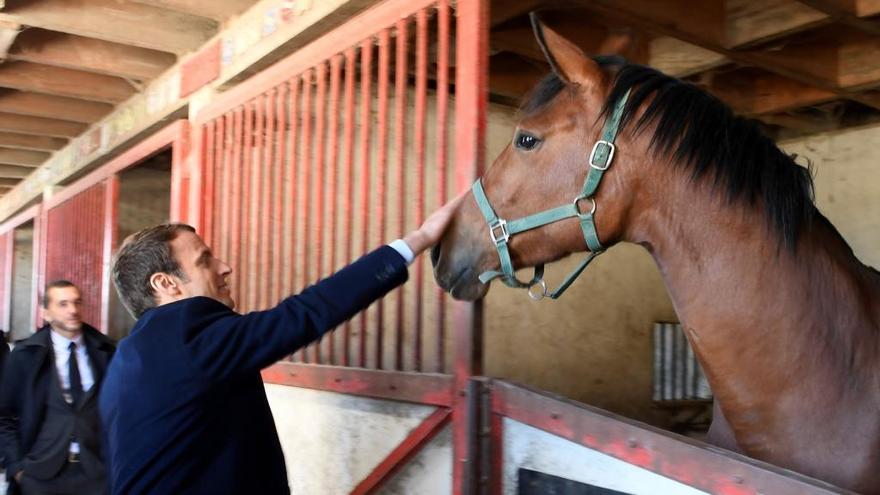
[76, 387]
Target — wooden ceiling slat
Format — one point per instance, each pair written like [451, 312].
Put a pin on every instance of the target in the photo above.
[58, 107]
[40, 126]
[46, 79]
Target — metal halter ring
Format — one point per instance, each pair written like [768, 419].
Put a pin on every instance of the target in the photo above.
[577, 207]
[540, 295]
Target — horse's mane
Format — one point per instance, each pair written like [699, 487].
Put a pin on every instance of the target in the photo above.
[704, 135]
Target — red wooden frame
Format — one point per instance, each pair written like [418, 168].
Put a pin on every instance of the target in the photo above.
[680, 458]
[174, 136]
[32, 213]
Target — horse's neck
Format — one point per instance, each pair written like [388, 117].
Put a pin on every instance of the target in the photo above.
[766, 321]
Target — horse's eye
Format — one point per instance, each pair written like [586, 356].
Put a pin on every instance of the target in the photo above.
[525, 141]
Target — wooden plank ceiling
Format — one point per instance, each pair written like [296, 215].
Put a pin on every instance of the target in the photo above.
[65, 64]
[799, 67]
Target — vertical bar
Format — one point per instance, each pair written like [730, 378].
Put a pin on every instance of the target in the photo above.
[400, 89]
[366, 103]
[471, 99]
[318, 191]
[333, 126]
[305, 175]
[8, 267]
[217, 173]
[208, 135]
[266, 215]
[292, 192]
[255, 267]
[111, 216]
[381, 176]
[348, 162]
[420, 104]
[278, 208]
[226, 199]
[234, 232]
[244, 269]
[442, 135]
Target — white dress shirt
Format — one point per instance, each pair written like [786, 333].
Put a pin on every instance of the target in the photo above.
[403, 248]
[61, 346]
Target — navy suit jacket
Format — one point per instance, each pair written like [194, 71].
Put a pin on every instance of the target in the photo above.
[183, 403]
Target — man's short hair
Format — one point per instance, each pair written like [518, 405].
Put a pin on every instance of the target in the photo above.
[56, 284]
[142, 254]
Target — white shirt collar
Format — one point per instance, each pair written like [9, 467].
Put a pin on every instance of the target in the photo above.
[62, 343]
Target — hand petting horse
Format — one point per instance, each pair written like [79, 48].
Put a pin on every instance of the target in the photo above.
[782, 316]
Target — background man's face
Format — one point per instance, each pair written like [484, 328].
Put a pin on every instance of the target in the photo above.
[64, 308]
[207, 275]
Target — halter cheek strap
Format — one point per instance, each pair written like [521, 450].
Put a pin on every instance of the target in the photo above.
[500, 230]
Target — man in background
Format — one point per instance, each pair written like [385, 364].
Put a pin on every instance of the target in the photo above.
[50, 431]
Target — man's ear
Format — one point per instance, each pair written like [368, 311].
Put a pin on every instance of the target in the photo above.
[164, 285]
[567, 60]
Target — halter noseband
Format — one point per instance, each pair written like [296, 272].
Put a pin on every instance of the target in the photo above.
[500, 230]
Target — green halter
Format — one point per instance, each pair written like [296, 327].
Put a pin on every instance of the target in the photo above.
[500, 230]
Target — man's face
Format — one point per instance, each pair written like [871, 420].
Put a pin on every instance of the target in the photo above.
[207, 275]
[63, 309]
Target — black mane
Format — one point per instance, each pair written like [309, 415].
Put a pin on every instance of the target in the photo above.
[704, 135]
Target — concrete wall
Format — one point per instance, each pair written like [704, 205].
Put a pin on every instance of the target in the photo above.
[22, 309]
[333, 441]
[847, 178]
[144, 200]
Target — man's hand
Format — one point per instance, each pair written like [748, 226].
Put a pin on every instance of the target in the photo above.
[430, 232]
[18, 476]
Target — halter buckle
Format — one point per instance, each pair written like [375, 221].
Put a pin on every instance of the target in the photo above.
[577, 207]
[503, 235]
[595, 151]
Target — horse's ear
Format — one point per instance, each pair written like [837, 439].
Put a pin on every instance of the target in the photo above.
[566, 59]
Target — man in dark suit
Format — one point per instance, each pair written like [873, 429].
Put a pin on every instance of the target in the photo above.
[50, 430]
[183, 404]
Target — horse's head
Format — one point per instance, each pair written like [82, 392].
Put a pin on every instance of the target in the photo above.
[543, 167]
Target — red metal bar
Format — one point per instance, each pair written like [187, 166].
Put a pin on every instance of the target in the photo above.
[209, 169]
[406, 450]
[292, 192]
[9, 256]
[267, 213]
[305, 164]
[111, 221]
[366, 104]
[680, 458]
[255, 223]
[244, 268]
[496, 474]
[442, 136]
[420, 104]
[225, 206]
[381, 175]
[347, 169]
[318, 190]
[418, 388]
[41, 225]
[400, 89]
[235, 206]
[333, 126]
[279, 207]
[471, 100]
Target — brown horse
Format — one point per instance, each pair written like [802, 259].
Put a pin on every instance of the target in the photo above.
[783, 317]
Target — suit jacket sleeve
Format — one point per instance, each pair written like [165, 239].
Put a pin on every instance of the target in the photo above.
[234, 343]
[10, 396]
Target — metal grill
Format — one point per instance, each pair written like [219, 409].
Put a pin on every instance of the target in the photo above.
[338, 149]
[74, 248]
[677, 374]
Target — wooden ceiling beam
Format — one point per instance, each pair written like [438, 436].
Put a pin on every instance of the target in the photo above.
[57, 107]
[14, 172]
[40, 126]
[218, 10]
[8, 182]
[8, 33]
[46, 79]
[679, 59]
[753, 92]
[89, 54]
[31, 142]
[845, 12]
[748, 22]
[23, 158]
[128, 23]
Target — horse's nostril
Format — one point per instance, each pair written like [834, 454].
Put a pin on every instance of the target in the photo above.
[435, 254]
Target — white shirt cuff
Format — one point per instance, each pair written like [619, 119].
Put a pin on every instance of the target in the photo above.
[403, 248]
